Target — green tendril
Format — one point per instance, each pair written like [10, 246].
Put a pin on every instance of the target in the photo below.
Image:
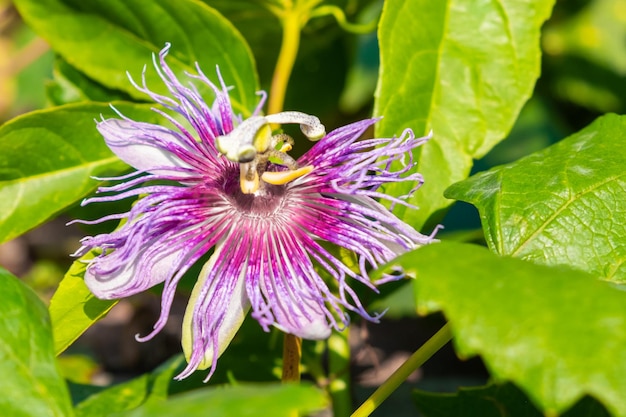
[340, 17]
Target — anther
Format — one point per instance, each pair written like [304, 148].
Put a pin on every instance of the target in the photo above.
[283, 177]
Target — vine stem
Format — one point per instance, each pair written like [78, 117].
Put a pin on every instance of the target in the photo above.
[292, 352]
[417, 359]
[286, 59]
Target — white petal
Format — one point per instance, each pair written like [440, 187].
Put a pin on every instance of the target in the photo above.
[126, 282]
[235, 311]
[130, 141]
[315, 328]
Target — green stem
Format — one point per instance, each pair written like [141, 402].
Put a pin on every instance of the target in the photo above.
[428, 349]
[339, 373]
[286, 59]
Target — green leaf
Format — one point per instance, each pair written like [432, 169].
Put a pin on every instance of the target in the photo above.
[46, 159]
[462, 70]
[130, 395]
[397, 300]
[31, 383]
[73, 308]
[237, 401]
[560, 205]
[70, 85]
[558, 334]
[494, 400]
[106, 39]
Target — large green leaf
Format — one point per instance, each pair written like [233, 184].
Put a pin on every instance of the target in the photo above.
[238, 401]
[562, 205]
[131, 394]
[31, 384]
[73, 308]
[46, 159]
[559, 334]
[104, 39]
[462, 69]
[494, 401]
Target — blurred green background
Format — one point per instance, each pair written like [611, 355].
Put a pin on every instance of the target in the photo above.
[583, 76]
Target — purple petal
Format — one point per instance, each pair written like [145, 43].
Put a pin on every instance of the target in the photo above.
[109, 279]
[143, 146]
[234, 309]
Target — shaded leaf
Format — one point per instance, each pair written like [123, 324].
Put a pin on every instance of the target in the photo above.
[31, 383]
[237, 401]
[464, 70]
[106, 39]
[47, 158]
[562, 205]
[73, 308]
[397, 300]
[70, 85]
[494, 401]
[558, 334]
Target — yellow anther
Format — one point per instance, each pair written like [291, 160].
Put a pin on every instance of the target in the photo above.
[283, 177]
[285, 148]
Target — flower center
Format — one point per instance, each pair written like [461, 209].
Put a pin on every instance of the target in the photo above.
[265, 201]
[252, 145]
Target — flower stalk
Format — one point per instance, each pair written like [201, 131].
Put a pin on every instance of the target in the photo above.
[292, 353]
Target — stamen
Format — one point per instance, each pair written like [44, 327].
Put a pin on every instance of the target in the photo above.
[287, 142]
[285, 148]
[283, 177]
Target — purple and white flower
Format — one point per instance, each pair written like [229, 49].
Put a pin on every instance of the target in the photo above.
[222, 184]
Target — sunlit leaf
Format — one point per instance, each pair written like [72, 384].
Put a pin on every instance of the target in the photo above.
[241, 400]
[129, 395]
[106, 39]
[31, 384]
[47, 158]
[73, 308]
[494, 401]
[561, 205]
[461, 69]
[558, 334]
